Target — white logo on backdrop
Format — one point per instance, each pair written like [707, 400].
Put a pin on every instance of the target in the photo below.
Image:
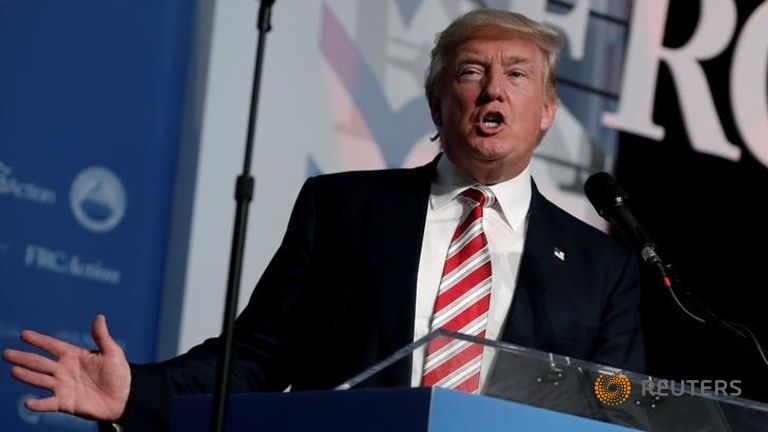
[58, 261]
[97, 198]
[12, 186]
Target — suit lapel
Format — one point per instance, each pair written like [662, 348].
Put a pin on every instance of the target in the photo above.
[537, 296]
[395, 249]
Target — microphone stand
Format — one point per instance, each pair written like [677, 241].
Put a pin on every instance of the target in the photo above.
[243, 196]
[670, 279]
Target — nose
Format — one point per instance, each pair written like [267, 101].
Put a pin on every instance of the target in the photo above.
[493, 88]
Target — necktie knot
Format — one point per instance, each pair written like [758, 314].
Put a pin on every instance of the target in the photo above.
[481, 194]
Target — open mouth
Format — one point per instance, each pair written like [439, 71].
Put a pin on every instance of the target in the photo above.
[491, 120]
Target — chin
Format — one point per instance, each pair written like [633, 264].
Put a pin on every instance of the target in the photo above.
[491, 151]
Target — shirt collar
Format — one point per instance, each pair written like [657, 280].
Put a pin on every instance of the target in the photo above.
[513, 196]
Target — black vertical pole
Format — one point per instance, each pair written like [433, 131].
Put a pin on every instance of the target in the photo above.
[243, 195]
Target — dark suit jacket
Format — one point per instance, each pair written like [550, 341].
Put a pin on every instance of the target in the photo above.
[339, 295]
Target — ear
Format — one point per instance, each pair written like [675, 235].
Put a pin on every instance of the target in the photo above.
[548, 110]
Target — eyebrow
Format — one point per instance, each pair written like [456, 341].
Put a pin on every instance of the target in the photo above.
[511, 60]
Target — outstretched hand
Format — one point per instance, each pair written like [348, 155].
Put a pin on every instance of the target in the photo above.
[87, 384]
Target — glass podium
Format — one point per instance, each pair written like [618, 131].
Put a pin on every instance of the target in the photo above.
[598, 392]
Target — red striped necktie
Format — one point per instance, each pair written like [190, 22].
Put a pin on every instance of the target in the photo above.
[462, 301]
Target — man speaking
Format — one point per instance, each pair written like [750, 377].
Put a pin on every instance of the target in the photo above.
[372, 260]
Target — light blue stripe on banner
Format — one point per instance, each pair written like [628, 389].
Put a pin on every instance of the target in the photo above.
[453, 411]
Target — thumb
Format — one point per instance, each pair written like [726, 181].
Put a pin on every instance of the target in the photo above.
[101, 336]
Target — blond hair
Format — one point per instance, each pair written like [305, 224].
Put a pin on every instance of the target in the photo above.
[463, 28]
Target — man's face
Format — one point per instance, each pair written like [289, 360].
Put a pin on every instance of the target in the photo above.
[492, 104]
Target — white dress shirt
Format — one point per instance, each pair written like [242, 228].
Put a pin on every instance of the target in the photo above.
[504, 224]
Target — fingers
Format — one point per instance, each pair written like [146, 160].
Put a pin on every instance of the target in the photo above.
[46, 404]
[101, 336]
[52, 345]
[32, 361]
[39, 380]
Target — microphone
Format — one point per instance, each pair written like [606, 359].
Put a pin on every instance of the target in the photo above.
[610, 201]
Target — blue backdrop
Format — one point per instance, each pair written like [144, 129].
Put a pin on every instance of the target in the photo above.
[91, 96]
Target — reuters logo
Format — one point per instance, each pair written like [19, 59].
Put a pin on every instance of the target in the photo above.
[612, 389]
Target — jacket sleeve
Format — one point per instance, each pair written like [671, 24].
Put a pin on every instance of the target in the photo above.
[264, 334]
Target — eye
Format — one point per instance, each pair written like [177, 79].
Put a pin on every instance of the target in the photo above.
[470, 73]
[516, 74]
